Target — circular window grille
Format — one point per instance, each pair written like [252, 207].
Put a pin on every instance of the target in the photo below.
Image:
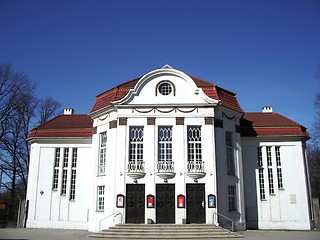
[165, 88]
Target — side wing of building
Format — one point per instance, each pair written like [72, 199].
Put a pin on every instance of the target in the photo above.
[276, 183]
[60, 178]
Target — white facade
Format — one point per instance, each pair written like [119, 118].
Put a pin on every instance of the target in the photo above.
[190, 145]
[49, 208]
[289, 206]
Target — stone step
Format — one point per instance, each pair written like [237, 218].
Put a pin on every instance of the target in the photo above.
[165, 231]
[153, 227]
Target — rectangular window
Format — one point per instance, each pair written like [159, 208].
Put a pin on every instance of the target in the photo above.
[260, 162]
[279, 169]
[56, 169]
[232, 198]
[102, 153]
[73, 173]
[195, 163]
[261, 174]
[65, 171]
[270, 172]
[230, 154]
[270, 176]
[165, 144]
[100, 198]
[165, 163]
[136, 163]
[194, 143]
[136, 144]
[261, 184]
[269, 159]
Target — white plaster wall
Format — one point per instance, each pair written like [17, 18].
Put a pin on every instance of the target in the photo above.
[288, 207]
[52, 210]
[230, 120]
[44, 183]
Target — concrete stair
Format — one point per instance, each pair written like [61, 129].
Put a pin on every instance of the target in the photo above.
[165, 231]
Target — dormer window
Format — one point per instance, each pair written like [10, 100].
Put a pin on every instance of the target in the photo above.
[165, 88]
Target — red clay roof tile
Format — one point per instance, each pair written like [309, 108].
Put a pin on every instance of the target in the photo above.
[64, 126]
[270, 124]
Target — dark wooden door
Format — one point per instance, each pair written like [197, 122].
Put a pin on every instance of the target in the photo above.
[135, 203]
[196, 211]
[165, 203]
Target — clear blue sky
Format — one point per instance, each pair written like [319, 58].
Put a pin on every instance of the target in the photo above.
[267, 51]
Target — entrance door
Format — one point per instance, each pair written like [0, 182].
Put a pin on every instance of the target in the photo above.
[165, 204]
[196, 211]
[135, 203]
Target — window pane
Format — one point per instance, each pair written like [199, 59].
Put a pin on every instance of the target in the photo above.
[102, 155]
[136, 144]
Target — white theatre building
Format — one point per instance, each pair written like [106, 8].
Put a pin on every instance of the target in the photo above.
[168, 148]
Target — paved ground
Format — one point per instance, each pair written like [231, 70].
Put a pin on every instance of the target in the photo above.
[281, 235]
[50, 234]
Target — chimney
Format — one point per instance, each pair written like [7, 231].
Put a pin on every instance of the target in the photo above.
[267, 109]
[68, 111]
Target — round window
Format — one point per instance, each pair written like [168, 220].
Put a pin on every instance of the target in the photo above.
[165, 88]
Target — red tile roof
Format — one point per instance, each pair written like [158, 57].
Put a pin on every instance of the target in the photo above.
[227, 98]
[64, 126]
[252, 125]
[270, 124]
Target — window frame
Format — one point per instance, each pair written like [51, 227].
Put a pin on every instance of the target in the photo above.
[72, 194]
[270, 170]
[65, 164]
[232, 198]
[56, 169]
[100, 198]
[136, 143]
[279, 168]
[261, 174]
[165, 144]
[158, 88]
[194, 143]
[103, 139]
[231, 168]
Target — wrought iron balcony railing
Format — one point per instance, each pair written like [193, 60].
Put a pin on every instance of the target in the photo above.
[165, 170]
[136, 169]
[195, 169]
[165, 166]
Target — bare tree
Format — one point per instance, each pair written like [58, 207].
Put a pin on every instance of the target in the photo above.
[9, 90]
[314, 170]
[314, 147]
[316, 123]
[16, 97]
[48, 108]
[18, 109]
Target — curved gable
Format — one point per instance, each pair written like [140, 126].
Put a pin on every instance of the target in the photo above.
[183, 89]
[200, 90]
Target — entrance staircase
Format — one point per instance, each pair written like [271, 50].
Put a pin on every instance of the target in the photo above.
[165, 231]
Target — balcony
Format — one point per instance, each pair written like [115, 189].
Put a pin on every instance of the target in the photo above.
[195, 170]
[165, 170]
[136, 169]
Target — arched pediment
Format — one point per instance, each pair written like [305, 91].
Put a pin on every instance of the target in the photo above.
[165, 86]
